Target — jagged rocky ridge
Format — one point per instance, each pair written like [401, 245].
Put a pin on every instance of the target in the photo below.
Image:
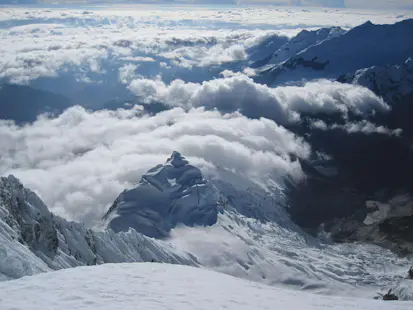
[33, 240]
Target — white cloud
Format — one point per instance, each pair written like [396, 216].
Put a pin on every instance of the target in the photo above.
[363, 126]
[367, 127]
[282, 104]
[80, 161]
[138, 59]
[127, 73]
[249, 72]
[40, 42]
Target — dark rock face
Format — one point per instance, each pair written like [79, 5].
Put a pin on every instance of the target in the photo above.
[313, 63]
[390, 296]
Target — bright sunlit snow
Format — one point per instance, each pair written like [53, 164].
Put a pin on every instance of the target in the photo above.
[161, 286]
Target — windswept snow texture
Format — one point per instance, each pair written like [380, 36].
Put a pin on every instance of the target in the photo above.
[166, 195]
[161, 286]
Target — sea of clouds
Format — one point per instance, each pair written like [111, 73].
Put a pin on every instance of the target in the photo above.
[194, 61]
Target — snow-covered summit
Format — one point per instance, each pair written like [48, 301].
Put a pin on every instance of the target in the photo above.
[166, 195]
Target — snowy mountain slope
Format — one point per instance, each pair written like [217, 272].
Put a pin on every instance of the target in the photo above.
[392, 81]
[300, 42]
[364, 46]
[253, 239]
[252, 236]
[162, 286]
[277, 255]
[33, 240]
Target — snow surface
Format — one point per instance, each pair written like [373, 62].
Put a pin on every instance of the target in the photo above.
[253, 239]
[162, 286]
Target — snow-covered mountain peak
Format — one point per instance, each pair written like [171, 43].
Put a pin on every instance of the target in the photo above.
[366, 24]
[177, 160]
[345, 53]
[168, 194]
[303, 40]
[175, 175]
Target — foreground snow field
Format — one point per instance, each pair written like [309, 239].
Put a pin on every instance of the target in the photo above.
[161, 286]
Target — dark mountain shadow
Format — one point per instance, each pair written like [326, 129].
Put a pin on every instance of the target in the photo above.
[23, 104]
[361, 167]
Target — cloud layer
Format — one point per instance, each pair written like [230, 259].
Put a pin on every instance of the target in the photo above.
[51, 42]
[282, 104]
[80, 161]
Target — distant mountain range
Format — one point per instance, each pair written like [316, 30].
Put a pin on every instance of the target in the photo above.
[333, 53]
